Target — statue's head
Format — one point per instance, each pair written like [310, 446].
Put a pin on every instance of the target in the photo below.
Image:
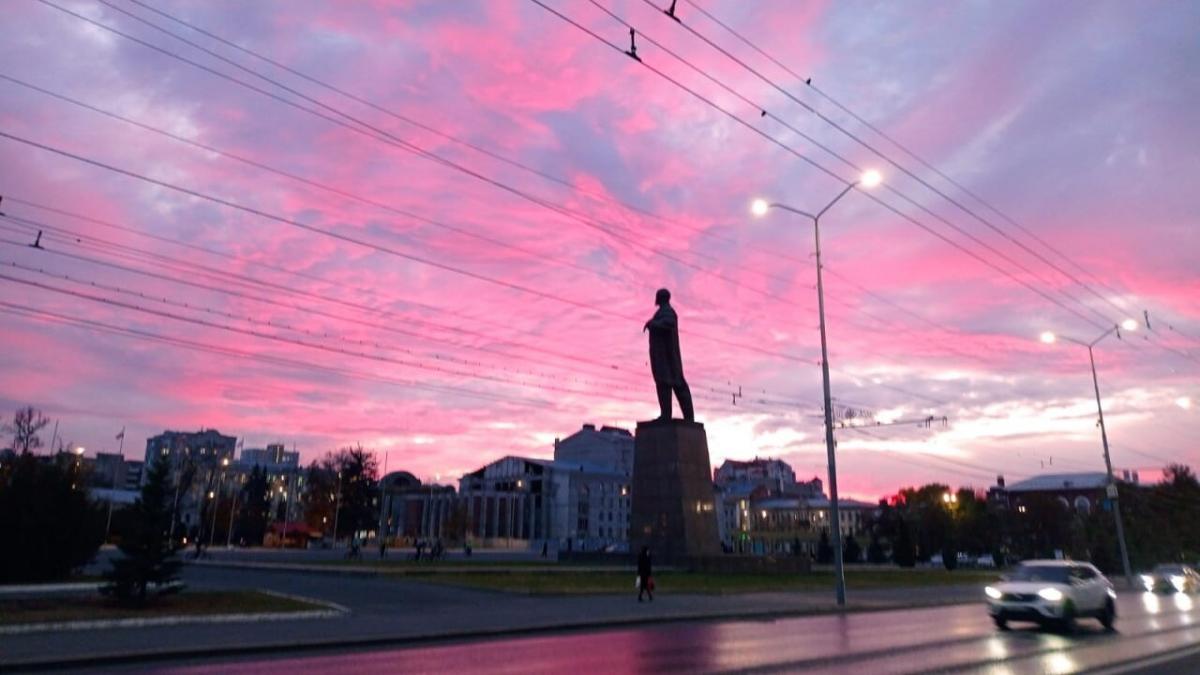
[662, 297]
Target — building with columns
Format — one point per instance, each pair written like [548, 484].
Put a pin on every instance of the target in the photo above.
[577, 501]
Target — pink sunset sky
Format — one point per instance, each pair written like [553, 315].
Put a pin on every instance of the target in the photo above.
[451, 258]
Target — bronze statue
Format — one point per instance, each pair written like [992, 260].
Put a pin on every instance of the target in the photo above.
[666, 364]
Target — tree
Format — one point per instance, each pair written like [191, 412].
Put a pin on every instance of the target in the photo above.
[852, 552]
[949, 555]
[320, 498]
[360, 488]
[824, 550]
[26, 424]
[253, 508]
[47, 525]
[903, 552]
[875, 552]
[147, 552]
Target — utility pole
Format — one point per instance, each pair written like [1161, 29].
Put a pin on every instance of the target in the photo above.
[1111, 490]
[379, 532]
[1112, 483]
[337, 507]
[760, 207]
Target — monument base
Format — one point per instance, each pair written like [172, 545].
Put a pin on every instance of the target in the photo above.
[673, 510]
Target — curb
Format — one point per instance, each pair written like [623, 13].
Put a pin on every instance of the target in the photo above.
[215, 653]
[26, 589]
[331, 610]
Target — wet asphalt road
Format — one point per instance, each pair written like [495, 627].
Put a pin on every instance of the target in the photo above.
[947, 639]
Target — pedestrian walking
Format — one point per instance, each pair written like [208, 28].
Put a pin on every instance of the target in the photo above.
[645, 574]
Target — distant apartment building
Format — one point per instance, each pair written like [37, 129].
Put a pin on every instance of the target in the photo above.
[112, 470]
[206, 447]
[273, 457]
[201, 459]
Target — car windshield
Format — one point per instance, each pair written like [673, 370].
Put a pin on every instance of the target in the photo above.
[1169, 569]
[1052, 573]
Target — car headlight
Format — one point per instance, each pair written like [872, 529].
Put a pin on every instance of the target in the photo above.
[992, 593]
[1148, 582]
[1111, 593]
[1178, 582]
[1051, 594]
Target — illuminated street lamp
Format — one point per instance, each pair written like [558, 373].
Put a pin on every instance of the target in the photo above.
[760, 207]
[1111, 490]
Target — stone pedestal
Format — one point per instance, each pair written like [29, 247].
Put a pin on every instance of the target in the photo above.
[673, 510]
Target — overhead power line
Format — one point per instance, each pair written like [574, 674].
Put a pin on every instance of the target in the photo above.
[374, 246]
[373, 132]
[453, 228]
[790, 150]
[460, 141]
[1108, 322]
[887, 158]
[808, 81]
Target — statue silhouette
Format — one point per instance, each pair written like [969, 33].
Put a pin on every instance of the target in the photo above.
[666, 364]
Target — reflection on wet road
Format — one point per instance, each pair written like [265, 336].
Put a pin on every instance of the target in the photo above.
[958, 638]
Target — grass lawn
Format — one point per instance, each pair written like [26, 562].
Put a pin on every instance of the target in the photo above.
[567, 582]
[188, 603]
[404, 563]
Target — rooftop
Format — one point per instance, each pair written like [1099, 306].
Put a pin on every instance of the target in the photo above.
[1094, 480]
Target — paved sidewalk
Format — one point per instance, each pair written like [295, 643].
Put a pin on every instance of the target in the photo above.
[388, 610]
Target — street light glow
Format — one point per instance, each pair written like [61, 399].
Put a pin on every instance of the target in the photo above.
[1049, 338]
[1129, 324]
[1184, 402]
[870, 178]
[759, 207]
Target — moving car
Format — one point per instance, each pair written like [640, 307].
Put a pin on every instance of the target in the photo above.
[1171, 579]
[1052, 593]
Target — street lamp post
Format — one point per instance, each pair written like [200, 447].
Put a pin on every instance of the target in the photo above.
[759, 208]
[1050, 338]
[212, 529]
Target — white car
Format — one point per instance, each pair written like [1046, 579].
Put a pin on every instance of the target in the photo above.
[1052, 592]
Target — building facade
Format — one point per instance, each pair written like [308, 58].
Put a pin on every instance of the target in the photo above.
[577, 501]
[206, 447]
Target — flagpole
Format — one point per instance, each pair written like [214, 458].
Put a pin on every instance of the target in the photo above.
[112, 495]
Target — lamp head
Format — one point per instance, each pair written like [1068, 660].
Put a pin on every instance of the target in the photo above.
[759, 207]
[1129, 324]
[870, 178]
[1049, 338]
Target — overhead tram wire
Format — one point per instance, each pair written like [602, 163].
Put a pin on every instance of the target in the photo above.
[887, 158]
[1123, 312]
[1107, 321]
[718, 394]
[379, 135]
[771, 139]
[384, 136]
[377, 247]
[902, 147]
[376, 133]
[371, 202]
[274, 360]
[962, 467]
[415, 258]
[352, 96]
[603, 368]
[478, 148]
[275, 324]
[465, 143]
[259, 333]
[887, 186]
[406, 213]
